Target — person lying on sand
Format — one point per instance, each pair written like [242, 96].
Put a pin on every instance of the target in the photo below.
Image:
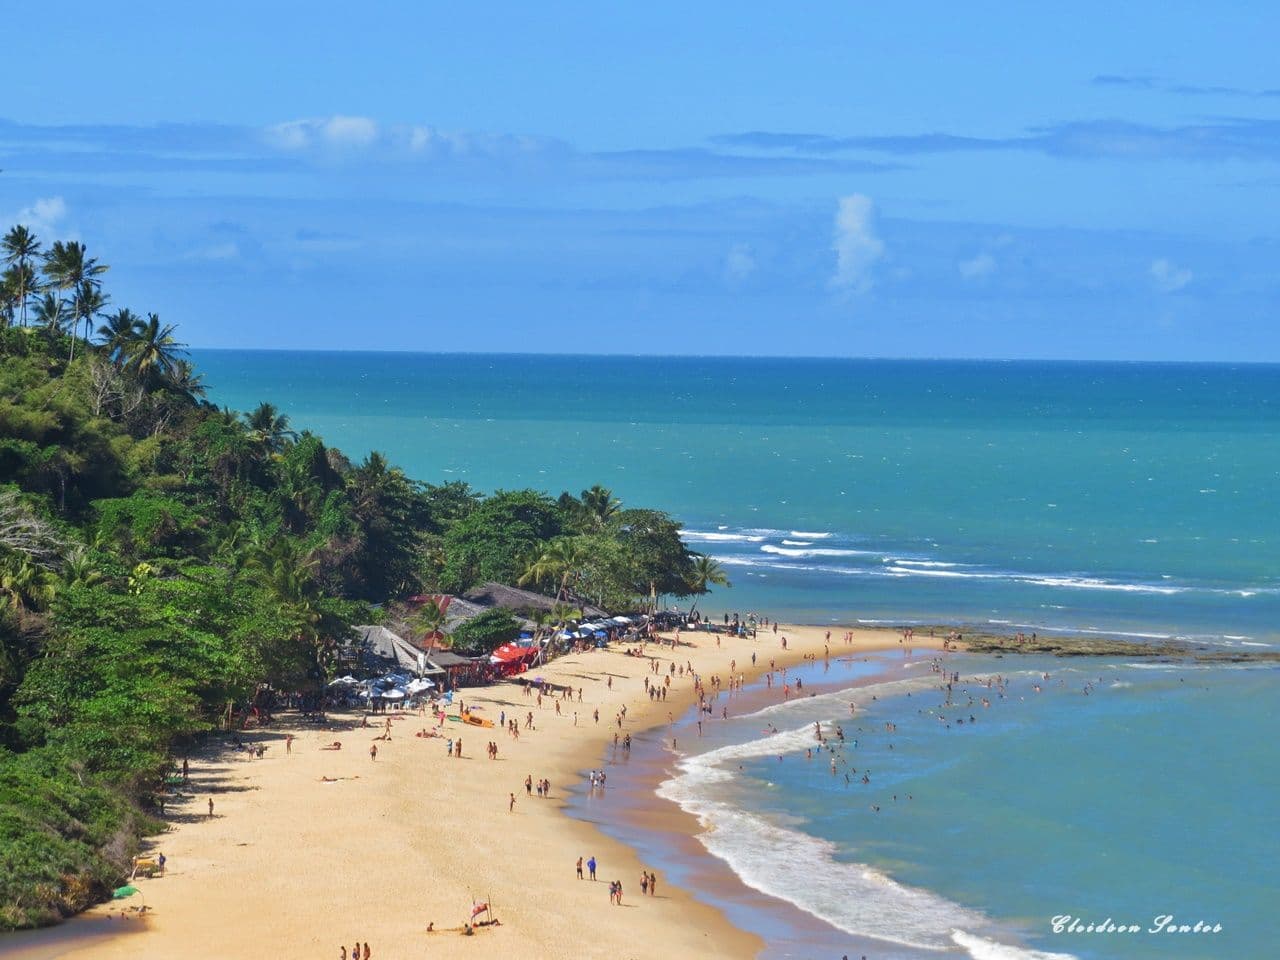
[336, 745]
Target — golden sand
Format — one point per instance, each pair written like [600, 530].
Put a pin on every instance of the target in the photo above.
[292, 867]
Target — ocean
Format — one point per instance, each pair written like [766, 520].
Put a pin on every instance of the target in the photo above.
[1110, 790]
[1122, 499]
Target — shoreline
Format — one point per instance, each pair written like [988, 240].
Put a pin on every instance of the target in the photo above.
[412, 837]
[647, 818]
[305, 866]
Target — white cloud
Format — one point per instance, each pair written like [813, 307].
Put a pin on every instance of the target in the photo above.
[856, 244]
[218, 251]
[350, 131]
[739, 264]
[335, 131]
[1168, 276]
[977, 268]
[43, 218]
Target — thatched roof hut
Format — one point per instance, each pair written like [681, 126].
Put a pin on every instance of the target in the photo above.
[521, 602]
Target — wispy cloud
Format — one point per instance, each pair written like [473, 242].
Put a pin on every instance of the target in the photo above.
[1142, 82]
[1229, 138]
[1168, 277]
[856, 244]
[739, 263]
[977, 268]
[355, 143]
[44, 217]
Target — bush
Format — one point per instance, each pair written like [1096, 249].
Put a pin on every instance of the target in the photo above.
[485, 633]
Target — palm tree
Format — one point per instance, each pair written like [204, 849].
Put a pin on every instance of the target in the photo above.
[600, 507]
[8, 297]
[89, 302]
[15, 289]
[21, 248]
[119, 334]
[51, 312]
[269, 427]
[185, 381]
[67, 268]
[561, 559]
[705, 573]
[430, 619]
[154, 351]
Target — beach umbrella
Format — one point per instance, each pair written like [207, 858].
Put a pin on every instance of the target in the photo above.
[393, 694]
[128, 890]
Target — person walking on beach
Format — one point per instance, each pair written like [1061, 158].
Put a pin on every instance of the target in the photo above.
[653, 884]
[579, 868]
[366, 950]
[591, 867]
[211, 808]
[373, 751]
[288, 744]
[511, 806]
[186, 770]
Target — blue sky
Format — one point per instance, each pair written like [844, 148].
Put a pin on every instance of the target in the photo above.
[858, 179]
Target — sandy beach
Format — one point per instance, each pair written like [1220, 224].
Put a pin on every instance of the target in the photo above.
[292, 865]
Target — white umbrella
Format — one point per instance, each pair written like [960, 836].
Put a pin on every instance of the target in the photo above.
[393, 694]
[417, 686]
[624, 621]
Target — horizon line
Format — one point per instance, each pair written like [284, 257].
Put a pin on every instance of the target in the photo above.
[728, 356]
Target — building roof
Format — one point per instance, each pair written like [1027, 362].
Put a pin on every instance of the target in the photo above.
[379, 648]
[521, 601]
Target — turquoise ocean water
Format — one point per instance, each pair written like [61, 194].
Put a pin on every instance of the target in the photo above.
[1118, 498]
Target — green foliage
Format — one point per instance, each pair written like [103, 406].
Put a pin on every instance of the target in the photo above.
[147, 525]
[485, 632]
[493, 541]
[184, 554]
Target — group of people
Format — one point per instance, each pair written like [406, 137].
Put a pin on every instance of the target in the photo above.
[356, 953]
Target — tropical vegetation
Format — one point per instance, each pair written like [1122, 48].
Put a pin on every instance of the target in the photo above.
[163, 560]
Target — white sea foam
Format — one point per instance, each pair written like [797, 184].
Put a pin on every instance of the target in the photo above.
[923, 563]
[709, 537]
[813, 552]
[980, 948]
[810, 535]
[804, 870]
[797, 543]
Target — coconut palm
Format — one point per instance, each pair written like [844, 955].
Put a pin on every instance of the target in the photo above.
[20, 248]
[52, 312]
[430, 619]
[561, 559]
[600, 507]
[15, 289]
[269, 427]
[66, 267]
[185, 381]
[119, 334]
[705, 573]
[154, 350]
[89, 302]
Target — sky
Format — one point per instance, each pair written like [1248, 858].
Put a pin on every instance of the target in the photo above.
[1074, 181]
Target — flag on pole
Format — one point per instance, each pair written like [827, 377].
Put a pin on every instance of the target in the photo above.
[478, 909]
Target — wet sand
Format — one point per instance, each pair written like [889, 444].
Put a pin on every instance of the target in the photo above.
[291, 866]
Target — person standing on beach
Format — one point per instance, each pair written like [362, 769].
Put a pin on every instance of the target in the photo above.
[653, 884]
[373, 751]
[186, 770]
[591, 867]
[579, 868]
[211, 808]
[288, 744]
[511, 806]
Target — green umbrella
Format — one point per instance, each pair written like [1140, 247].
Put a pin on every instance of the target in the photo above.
[128, 890]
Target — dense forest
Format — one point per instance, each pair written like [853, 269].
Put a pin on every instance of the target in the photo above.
[160, 558]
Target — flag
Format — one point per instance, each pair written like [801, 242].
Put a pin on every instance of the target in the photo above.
[478, 909]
